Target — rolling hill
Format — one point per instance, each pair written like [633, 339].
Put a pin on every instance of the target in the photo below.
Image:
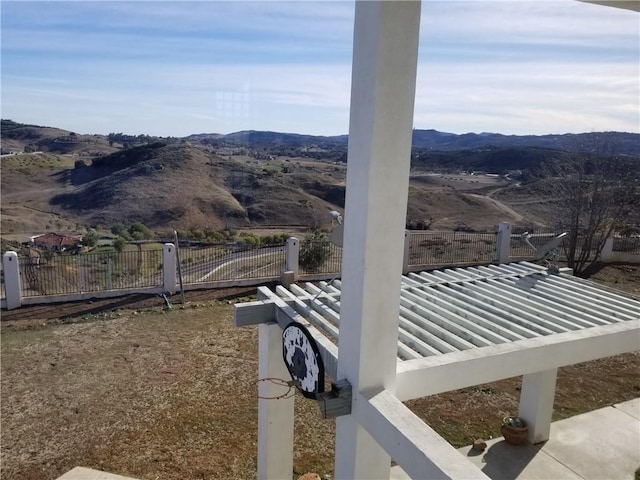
[185, 186]
[248, 179]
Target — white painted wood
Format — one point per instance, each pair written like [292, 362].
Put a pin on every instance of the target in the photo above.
[253, 313]
[581, 301]
[601, 289]
[536, 403]
[417, 448]
[275, 417]
[512, 309]
[554, 304]
[513, 301]
[315, 319]
[592, 296]
[12, 289]
[489, 307]
[382, 99]
[474, 331]
[475, 314]
[425, 349]
[443, 373]
[578, 303]
[286, 314]
[415, 323]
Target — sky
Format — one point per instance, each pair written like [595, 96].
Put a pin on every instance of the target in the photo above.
[174, 68]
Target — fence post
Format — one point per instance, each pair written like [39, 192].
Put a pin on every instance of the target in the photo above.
[80, 274]
[607, 251]
[504, 242]
[291, 256]
[407, 246]
[109, 281]
[12, 290]
[169, 268]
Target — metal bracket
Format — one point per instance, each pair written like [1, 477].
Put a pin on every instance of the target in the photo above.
[337, 401]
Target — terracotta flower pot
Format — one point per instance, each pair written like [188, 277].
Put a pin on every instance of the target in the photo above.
[514, 435]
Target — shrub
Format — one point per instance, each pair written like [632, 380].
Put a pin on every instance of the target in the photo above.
[90, 239]
[314, 252]
[119, 244]
[139, 231]
[120, 231]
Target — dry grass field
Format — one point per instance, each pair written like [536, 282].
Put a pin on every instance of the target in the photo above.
[159, 394]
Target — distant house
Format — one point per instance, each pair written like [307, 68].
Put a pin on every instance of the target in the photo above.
[56, 241]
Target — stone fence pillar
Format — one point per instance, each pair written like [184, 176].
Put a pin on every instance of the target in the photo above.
[12, 289]
[291, 266]
[169, 268]
[504, 242]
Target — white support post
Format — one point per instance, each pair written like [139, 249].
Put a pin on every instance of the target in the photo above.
[382, 99]
[407, 246]
[292, 254]
[12, 290]
[275, 417]
[169, 284]
[504, 242]
[536, 403]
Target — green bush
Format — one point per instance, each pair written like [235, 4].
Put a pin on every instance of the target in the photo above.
[315, 250]
[120, 231]
[119, 244]
[90, 239]
[139, 231]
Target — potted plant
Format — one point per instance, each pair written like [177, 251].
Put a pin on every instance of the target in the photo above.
[514, 430]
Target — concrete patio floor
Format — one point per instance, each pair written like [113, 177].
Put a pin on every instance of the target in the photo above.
[600, 445]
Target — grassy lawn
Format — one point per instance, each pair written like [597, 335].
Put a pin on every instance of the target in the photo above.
[159, 394]
[155, 395]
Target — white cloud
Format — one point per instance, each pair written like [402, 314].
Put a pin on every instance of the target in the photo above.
[172, 68]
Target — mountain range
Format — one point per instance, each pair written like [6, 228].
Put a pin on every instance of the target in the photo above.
[67, 180]
[16, 135]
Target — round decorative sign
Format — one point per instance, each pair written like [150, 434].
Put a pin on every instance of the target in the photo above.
[303, 360]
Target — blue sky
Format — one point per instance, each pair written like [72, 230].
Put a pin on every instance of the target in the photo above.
[176, 67]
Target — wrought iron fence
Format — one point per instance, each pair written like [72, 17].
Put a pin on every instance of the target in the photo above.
[319, 256]
[450, 248]
[538, 236]
[91, 272]
[627, 245]
[231, 262]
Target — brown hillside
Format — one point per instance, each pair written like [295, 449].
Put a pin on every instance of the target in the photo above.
[183, 187]
[34, 138]
[180, 187]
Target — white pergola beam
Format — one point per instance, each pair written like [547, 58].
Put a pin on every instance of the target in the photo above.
[385, 58]
[443, 373]
[284, 314]
[416, 447]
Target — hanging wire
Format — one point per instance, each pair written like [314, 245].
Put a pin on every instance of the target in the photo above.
[280, 382]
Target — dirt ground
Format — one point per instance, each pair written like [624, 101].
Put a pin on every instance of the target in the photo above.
[130, 387]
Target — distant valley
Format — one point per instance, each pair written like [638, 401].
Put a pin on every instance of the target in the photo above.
[56, 180]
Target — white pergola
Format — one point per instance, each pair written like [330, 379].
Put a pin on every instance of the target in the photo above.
[457, 327]
[405, 337]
